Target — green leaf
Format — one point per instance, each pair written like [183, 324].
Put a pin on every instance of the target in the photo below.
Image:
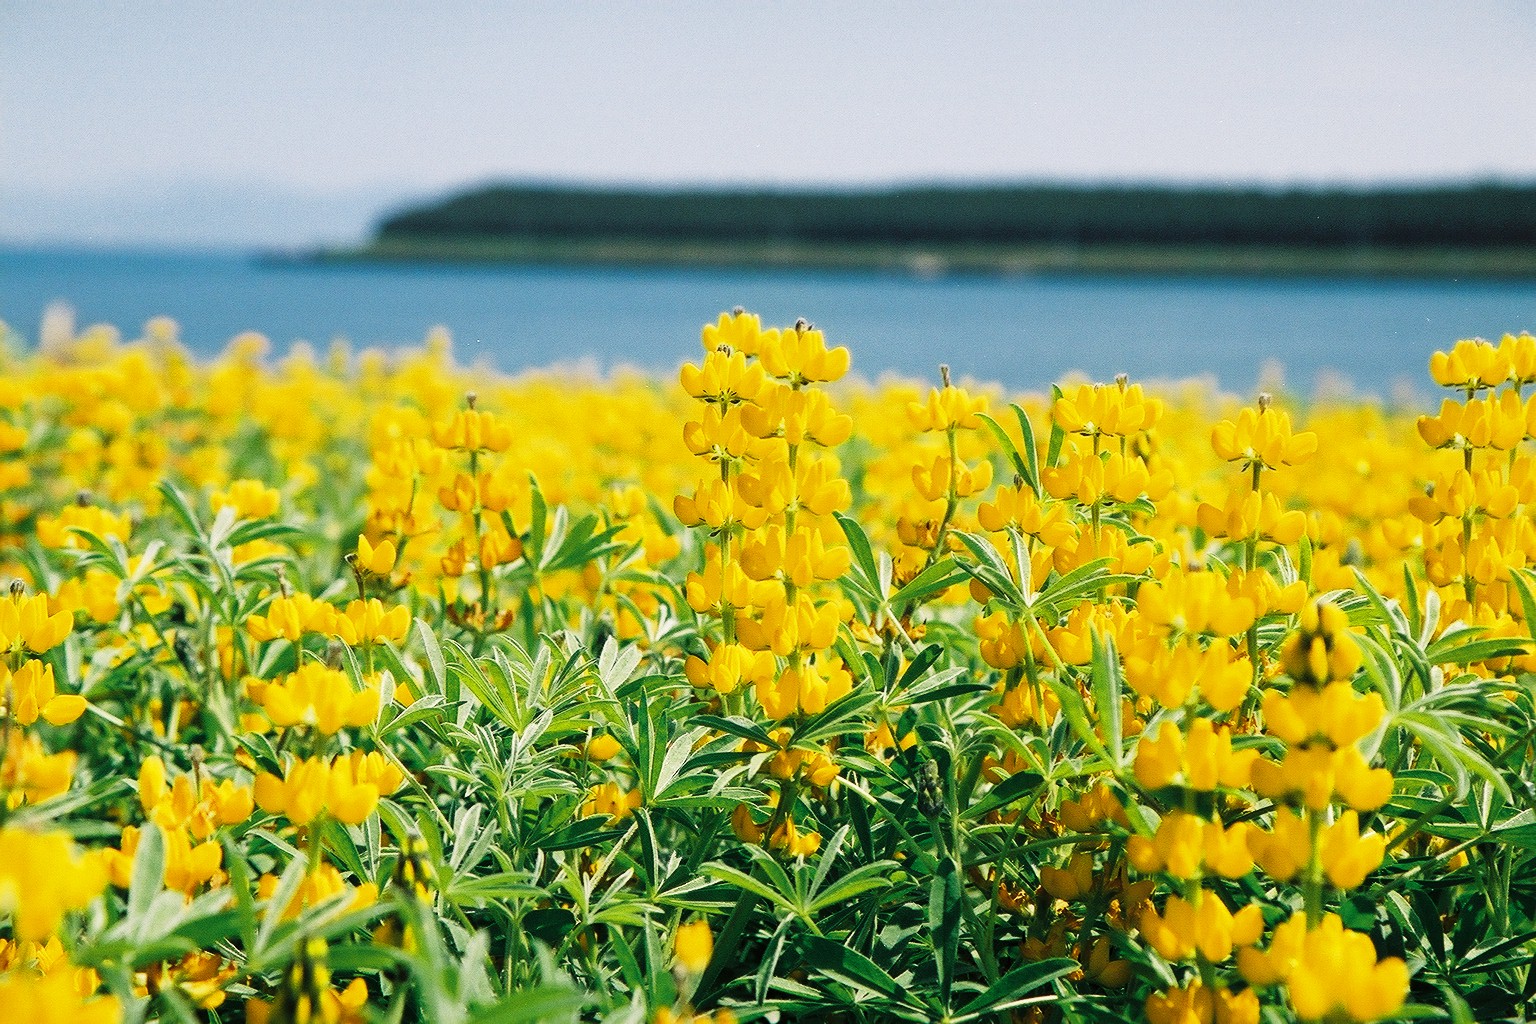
[545, 1003]
[850, 967]
[747, 883]
[938, 577]
[1009, 448]
[991, 570]
[272, 913]
[148, 876]
[863, 556]
[736, 726]
[1107, 690]
[1014, 787]
[1030, 448]
[860, 880]
[770, 963]
[437, 668]
[838, 718]
[183, 511]
[944, 894]
[1012, 988]
[728, 940]
[1058, 435]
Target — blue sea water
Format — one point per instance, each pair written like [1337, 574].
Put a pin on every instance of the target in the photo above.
[1022, 331]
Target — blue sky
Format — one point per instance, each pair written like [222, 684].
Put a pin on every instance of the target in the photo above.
[283, 121]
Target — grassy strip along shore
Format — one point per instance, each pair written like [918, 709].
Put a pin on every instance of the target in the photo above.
[934, 260]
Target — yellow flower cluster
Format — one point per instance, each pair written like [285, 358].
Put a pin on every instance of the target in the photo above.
[764, 430]
[1170, 685]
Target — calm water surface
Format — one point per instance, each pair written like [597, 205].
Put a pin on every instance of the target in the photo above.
[1022, 331]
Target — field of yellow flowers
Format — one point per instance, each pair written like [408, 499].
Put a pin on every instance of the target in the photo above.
[373, 687]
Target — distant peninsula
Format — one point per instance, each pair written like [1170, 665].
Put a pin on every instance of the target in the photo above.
[1455, 230]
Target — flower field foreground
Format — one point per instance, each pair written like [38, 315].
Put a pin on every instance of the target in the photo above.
[370, 687]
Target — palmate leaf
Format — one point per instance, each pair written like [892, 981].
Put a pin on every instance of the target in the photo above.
[748, 883]
[1451, 751]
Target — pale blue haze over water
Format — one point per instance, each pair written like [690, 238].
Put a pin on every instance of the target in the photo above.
[1021, 331]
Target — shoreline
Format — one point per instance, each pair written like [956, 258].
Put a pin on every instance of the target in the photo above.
[930, 261]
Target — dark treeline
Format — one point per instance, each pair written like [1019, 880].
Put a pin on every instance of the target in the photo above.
[1455, 215]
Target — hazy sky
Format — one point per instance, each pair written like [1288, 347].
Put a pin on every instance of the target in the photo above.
[102, 100]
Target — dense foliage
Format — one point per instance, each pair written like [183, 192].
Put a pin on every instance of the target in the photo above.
[1451, 215]
[367, 687]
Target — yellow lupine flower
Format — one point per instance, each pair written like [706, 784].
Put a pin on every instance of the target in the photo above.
[783, 627]
[368, 621]
[291, 617]
[1194, 602]
[800, 355]
[472, 430]
[1247, 513]
[1321, 649]
[1519, 351]
[601, 747]
[609, 798]
[53, 999]
[1073, 882]
[1313, 775]
[1196, 1004]
[934, 480]
[945, 408]
[694, 944]
[1187, 846]
[737, 330]
[1202, 761]
[376, 560]
[1472, 364]
[1262, 437]
[1335, 713]
[728, 667]
[1089, 812]
[251, 499]
[797, 416]
[307, 995]
[724, 379]
[321, 883]
[665, 1015]
[26, 624]
[41, 877]
[58, 531]
[319, 696]
[1477, 423]
[348, 788]
[1001, 643]
[804, 558]
[808, 688]
[1328, 970]
[1207, 927]
[32, 694]
[792, 841]
[718, 505]
[29, 774]
[199, 808]
[95, 594]
[1218, 673]
[1018, 508]
[1116, 410]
